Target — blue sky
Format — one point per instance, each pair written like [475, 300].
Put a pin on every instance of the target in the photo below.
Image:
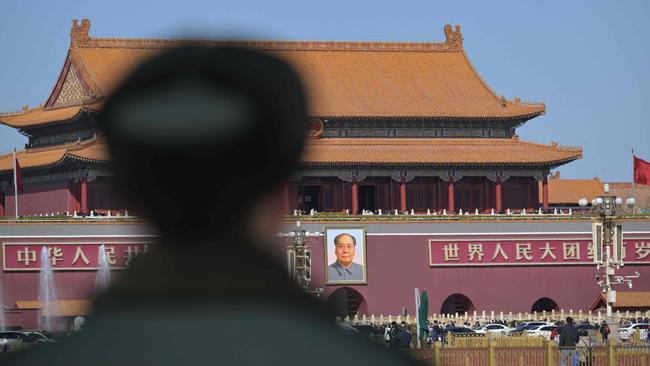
[587, 60]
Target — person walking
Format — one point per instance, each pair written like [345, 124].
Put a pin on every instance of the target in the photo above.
[403, 337]
[604, 331]
[585, 342]
[568, 340]
[436, 331]
[393, 333]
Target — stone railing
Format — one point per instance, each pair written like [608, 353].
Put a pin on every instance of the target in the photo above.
[489, 316]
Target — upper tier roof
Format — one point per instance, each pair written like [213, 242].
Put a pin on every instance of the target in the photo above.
[343, 79]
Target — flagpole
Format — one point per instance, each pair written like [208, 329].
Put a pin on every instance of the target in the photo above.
[15, 184]
[417, 316]
[633, 178]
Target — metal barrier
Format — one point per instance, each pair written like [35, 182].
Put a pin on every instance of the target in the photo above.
[548, 354]
[481, 340]
[632, 355]
[520, 356]
[463, 357]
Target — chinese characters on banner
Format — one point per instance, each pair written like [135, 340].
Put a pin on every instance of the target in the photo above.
[69, 256]
[526, 251]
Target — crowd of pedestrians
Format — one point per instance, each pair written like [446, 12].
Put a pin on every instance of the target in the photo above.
[567, 333]
[398, 336]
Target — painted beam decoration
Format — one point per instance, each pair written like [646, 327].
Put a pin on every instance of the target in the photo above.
[527, 250]
[74, 255]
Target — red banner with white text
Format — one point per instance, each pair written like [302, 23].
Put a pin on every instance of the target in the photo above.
[26, 256]
[528, 250]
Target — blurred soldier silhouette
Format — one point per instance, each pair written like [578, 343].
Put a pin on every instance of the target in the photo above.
[201, 139]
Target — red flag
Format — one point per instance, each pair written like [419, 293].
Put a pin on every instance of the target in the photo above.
[641, 171]
[19, 177]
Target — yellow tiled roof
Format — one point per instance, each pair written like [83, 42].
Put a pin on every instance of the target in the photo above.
[436, 151]
[343, 79]
[626, 299]
[59, 307]
[41, 115]
[93, 151]
[569, 191]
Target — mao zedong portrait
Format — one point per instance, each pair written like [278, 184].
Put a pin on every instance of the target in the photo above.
[344, 269]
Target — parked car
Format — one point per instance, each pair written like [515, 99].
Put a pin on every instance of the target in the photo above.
[36, 337]
[493, 328]
[540, 331]
[627, 332]
[590, 328]
[521, 328]
[11, 341]
[457, 330]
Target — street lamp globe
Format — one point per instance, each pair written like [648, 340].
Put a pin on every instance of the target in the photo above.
[599, 201]
[619, 201]
[582, 202]
[630, 201]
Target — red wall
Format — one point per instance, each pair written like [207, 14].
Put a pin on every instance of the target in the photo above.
[398, 264]
[24, 285]
[40, 198]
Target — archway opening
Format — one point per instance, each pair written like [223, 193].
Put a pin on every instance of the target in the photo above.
[457, 303]
[544, 304]
[345, 301]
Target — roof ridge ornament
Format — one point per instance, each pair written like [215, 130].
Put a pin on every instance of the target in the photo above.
[79, 32]
[453, 38]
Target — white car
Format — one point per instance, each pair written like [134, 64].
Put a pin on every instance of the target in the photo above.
[540, 331]
[16, 340]
[627, 332]
[493, 328]
[521, 328]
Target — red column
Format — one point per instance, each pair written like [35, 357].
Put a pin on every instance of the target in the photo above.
[84, 194]
[487, 194]
[439, 199]
[402, 195]
[498, 195]
[450, 195]
[534, 193]
[2, 203]
[545, 192]
[355, 197]
[285, 199]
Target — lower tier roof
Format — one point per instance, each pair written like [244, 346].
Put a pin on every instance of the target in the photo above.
[90, 151]
[385, 152]
[569, 191]
[436, 152]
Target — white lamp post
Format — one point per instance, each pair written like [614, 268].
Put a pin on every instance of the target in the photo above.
[299, 257]
[608, 246]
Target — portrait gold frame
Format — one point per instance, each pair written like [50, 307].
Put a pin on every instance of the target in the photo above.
[364, 281]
